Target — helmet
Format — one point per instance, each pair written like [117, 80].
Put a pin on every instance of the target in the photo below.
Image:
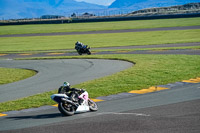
[77, 42]
[66, 84]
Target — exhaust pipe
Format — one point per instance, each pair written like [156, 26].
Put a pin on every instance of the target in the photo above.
[69, 101]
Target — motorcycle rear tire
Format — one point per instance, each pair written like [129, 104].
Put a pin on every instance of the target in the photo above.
[63, 109]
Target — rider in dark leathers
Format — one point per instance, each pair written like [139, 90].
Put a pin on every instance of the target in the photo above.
[71, 92]
[79, 45]
[81, 48]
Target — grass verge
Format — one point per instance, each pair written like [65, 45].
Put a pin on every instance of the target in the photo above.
[96, 26]
[16, 44]
[149, 70]
[9, 75]
[138, 49]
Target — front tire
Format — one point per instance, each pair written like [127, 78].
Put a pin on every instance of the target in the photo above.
[92, 105]
[89, 53]
[66, 109]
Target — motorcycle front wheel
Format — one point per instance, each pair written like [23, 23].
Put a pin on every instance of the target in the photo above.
[66, 109]
[88, 52]
[92, 105]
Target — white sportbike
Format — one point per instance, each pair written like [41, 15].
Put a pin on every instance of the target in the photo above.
[75, 102]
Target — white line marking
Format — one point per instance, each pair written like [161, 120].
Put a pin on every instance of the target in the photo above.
[115, 113]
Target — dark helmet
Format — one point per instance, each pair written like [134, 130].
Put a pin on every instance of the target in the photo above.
[77, 42]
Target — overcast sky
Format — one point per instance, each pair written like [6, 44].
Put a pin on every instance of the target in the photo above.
[99, 2]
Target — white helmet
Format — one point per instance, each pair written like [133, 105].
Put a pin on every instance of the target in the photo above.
[66, 84]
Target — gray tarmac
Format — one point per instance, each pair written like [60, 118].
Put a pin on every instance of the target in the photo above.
[176, 110]
[52, 73]
[74, 53]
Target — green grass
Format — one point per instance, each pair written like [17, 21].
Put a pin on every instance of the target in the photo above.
[16, 44]
[137, 49]
[9, 75]
[96, 26]
[149, 70]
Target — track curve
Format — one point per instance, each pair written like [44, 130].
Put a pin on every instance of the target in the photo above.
[52, 73]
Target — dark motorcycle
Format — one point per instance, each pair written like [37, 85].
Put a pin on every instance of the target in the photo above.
[83, 50]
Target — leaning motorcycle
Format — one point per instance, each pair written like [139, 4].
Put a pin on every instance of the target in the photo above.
[74, 102]
[83, 50]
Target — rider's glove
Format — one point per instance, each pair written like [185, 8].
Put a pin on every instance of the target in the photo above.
[82, 90]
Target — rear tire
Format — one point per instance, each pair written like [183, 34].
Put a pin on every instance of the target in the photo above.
[66, 109]
[79, 53]
[92, 105]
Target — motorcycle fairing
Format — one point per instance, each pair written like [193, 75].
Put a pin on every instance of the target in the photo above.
[84, 106]
[58, 97]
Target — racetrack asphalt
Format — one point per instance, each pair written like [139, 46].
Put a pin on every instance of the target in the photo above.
[175, 110]
[119, 50]
[52, 73]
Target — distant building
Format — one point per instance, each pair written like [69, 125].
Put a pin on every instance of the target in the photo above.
[88, 15]
[51, 17]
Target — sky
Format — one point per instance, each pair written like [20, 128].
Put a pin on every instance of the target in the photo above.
[99, 2]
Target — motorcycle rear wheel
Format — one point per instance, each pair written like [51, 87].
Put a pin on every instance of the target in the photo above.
[79, 53]
[66, 109]
[92, 105]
